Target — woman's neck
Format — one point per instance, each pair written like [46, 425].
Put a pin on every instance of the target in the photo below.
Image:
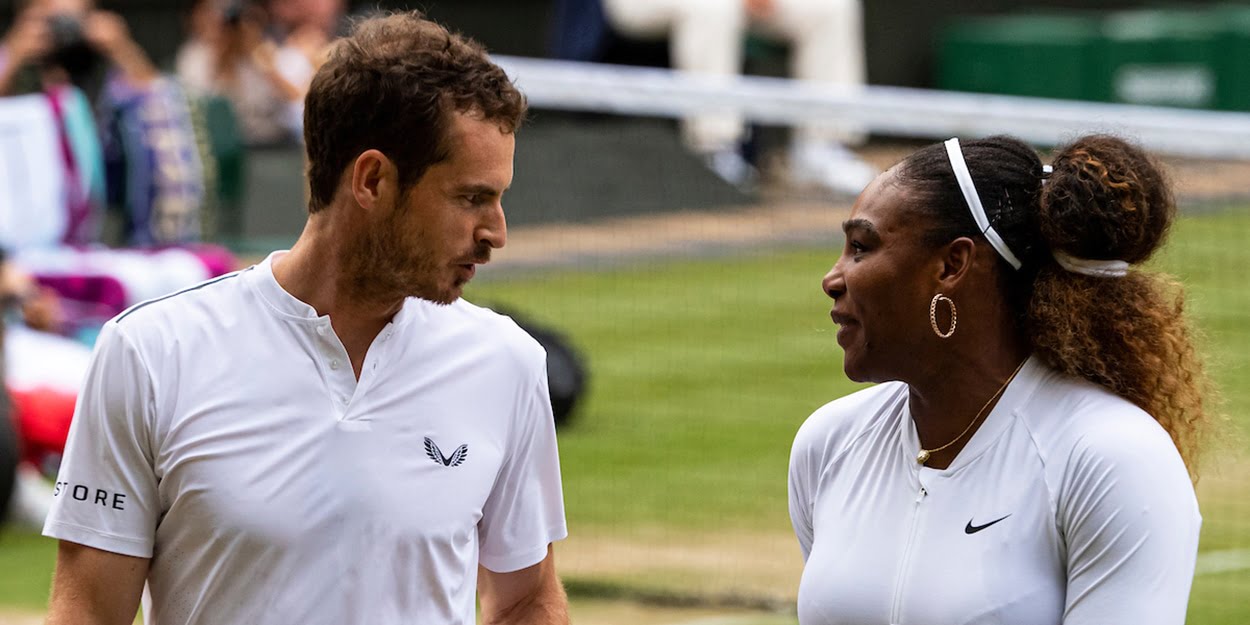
[958, 389]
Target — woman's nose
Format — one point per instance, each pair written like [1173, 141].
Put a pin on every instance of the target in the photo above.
[833, 285]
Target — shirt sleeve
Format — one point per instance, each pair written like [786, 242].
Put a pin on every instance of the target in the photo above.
[106, 491]
[801, 486]
[525, 510]
[1130, 522]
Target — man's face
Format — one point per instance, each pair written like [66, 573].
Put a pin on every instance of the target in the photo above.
[428, 246]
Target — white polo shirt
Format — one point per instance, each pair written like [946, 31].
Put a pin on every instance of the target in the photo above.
[1068, 505]
[222, 433]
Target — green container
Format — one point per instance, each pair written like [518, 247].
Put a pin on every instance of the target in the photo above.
[1030, 55]
[1233, 58]
[1195, 57]
[1161, 57]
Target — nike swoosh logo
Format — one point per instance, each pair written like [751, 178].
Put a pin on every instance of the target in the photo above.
[972, 529]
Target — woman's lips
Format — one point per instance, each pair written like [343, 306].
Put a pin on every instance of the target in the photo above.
[845, 325]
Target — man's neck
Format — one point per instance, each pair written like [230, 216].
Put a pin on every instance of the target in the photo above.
[313, 272]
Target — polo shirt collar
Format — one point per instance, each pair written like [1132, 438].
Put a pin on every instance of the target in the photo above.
[288, 305]
[277, 297]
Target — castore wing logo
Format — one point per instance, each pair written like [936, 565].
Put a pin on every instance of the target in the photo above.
[454, 460]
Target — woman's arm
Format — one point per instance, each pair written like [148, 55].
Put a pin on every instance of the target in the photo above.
[1130, 521]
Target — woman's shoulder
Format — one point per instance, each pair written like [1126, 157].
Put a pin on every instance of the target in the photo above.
[1073, 410]
[842, 420]
[1077, 424]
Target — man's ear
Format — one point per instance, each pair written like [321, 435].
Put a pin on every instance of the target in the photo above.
[375, 180]
[957, 260]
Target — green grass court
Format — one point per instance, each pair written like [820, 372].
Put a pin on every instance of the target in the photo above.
[702, 370]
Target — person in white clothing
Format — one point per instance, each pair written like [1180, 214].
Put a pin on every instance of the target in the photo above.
[1027, 456]
[333, 435]
[707, 37]
[228, 55]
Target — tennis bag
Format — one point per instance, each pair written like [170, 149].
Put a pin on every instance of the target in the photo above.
[567, 375]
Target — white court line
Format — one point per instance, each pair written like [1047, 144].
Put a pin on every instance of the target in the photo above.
[1223, 561]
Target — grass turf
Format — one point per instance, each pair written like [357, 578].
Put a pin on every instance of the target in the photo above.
[701, 371]
[26, 561]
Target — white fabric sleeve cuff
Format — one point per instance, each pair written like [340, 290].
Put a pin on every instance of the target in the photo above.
[507, 563]
[127, 546]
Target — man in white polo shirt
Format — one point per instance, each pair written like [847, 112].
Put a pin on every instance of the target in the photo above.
[332, 435]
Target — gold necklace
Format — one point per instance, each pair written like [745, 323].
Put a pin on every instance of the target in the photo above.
[924, 454]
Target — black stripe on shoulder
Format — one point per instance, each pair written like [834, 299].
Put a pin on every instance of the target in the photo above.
[177, 293]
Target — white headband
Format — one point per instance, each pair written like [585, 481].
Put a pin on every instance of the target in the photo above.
[1096, 268]
[964, 178]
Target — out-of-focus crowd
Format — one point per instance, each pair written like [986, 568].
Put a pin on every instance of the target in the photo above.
[259, 56]
[100, 146]
[113, 172]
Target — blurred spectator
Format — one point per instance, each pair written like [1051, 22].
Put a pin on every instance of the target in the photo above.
[68, 39]
[40, 307]
[60, 165]
[708, 36]
[28, 40]
[46, 196]
[229, 55]
[326, 18]
[579, 31]
[144, 132]
[39, 369]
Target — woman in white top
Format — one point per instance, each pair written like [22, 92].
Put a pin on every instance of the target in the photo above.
[1024, 458]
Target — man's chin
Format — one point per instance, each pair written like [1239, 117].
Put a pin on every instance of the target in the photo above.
[441, 301]
[442, 296]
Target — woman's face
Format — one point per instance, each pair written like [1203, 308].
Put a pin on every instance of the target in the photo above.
[882, 285]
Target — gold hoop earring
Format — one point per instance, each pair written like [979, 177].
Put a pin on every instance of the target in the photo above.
[933, 315]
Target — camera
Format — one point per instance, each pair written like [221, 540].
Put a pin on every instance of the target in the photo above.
[232, 12]
[65, 31]
[69, 48]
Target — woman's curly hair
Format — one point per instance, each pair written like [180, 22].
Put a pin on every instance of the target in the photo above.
[1104, 200]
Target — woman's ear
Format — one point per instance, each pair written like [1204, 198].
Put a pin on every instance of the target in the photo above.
[958, 258]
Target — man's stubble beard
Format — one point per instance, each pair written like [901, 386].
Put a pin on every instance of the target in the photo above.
[383, 268]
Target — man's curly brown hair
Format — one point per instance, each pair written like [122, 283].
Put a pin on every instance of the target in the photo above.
[1105, 200]
[393, 85]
